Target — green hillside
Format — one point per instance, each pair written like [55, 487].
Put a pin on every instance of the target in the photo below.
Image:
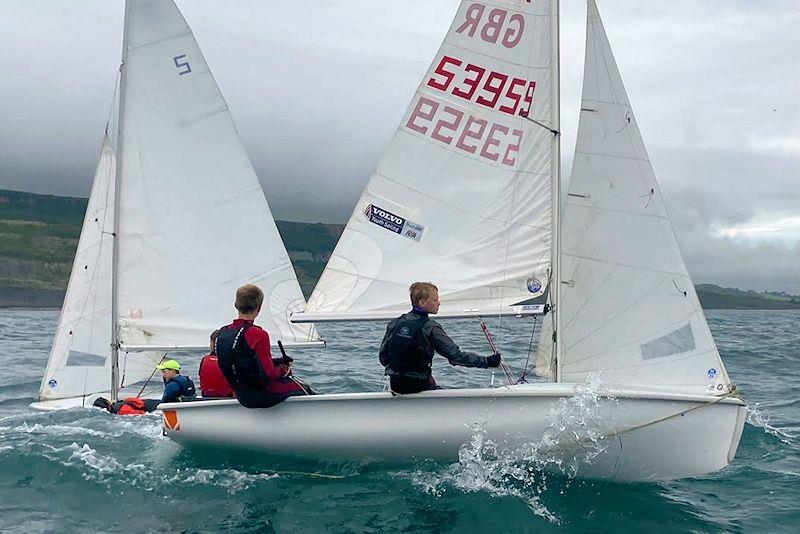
[715, 297]
[39, 234]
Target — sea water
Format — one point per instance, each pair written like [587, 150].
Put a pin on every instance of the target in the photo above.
[88, 471]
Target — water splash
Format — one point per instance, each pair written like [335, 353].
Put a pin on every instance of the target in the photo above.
[758, 417]
[573, 437]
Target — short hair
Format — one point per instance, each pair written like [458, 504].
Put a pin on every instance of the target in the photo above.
[212, 339]
[421, 290]
[249, 298]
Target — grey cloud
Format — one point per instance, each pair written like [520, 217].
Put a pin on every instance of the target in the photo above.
[750, 265]
[317, 89]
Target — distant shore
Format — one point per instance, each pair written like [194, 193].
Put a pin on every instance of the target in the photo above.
[39, 235]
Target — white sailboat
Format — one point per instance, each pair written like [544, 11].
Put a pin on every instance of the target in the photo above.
[470, 185]
[176, 221]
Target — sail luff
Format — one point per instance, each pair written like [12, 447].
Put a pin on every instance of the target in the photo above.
[555, 284]
[114, 231]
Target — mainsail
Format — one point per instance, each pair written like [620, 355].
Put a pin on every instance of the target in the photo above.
[80, 362]
[462, 196]
[629, 308]
[193, 220]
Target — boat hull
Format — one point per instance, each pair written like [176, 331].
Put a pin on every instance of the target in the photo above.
[626, 435]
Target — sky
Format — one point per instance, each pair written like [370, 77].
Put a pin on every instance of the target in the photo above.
[317, 88]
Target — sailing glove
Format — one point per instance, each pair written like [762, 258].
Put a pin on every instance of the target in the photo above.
[493, 360]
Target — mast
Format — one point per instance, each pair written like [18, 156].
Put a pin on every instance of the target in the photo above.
[115, 229]
[555, 282]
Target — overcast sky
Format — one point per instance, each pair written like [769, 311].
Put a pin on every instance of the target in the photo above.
[317, 87]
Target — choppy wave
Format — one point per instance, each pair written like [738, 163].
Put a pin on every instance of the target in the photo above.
[108, 470]
[79, 458]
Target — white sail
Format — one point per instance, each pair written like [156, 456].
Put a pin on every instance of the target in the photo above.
[629, 308]
[462, 195]
[545, 350]
[80, 362]
[194, 224]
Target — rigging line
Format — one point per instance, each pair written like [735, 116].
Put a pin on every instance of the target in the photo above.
[678, 288]
[526, 370]
[151, 374]
[124, 370]
[616, 433]
[546, 127]
[649, 197]
[627, 121]
[503, 365]
[113, 99]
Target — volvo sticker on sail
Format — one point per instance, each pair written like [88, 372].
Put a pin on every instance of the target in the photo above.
[393, 223]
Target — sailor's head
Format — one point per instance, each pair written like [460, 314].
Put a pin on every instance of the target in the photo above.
[102, 402]
[212, 341]
[249, 299]
[169, 369]
[425, 296]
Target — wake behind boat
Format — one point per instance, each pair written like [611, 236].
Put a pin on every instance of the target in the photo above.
[471, 184]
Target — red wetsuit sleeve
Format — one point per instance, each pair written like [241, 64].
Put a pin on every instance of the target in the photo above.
[258, 340]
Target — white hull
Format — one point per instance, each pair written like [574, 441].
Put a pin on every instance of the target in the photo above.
[649, 436]
[153, 391]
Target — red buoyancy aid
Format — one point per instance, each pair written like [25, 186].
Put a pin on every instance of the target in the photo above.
[212, 381]
[132, 406]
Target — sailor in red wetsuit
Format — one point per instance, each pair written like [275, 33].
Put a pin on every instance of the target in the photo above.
[212, 382]
[243, 352]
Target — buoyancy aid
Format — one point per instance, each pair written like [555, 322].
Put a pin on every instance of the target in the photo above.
[212, 382]
[132, 406]
[403, 354]
[237, 361]
[187, 390]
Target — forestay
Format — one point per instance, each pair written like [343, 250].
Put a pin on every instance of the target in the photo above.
[462, 195]
[629, 308]
[193, 224]
[80, 362]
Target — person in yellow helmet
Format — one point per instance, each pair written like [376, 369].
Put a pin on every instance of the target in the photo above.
[177, 387]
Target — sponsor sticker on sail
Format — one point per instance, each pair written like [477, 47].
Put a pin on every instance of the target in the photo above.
[393, 223]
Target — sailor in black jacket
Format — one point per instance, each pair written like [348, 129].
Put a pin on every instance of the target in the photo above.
[411, 340]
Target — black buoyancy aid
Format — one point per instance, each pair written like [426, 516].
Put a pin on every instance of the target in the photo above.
[403, 352]
[188, 391]
[237, 361]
